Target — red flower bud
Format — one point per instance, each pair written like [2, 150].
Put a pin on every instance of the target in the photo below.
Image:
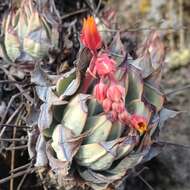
[100, 91]
[90, 36]
[139, 123]
[107, 103]
[104, 65]
[116, 92]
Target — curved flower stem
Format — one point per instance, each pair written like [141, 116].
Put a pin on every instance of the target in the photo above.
[90, 73]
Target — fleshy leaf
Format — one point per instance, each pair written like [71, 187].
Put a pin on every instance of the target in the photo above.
[32, 139]
[154, 78]
[94, 107]
[64, 81]
[42, 92]
[153, 96]
[97, 156]
[165, 114]
[156, 49]
[58, 111]
[60, 167]
[138, 107]
[73, 86]
[151, 54]
[116, 131]
[49, 131]
[127, 145]
[135, 84]
[126, 163]
[92, 176]
[65, 143]
[155, 149]
[12, 44]
[117, 49]
[100, 128]
[75, 114]
[41, 157]
[45, 117]
[39, 76]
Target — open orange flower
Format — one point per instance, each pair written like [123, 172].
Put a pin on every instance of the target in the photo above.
[139, 123]
[90, 36]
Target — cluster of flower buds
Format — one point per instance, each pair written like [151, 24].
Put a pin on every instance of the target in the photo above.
[111, 96]
[108, 92]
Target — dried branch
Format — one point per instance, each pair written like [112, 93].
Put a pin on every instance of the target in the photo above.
[9, 105]
[4, 180]
[13, 150]
[11, 118]
[13, 139]
[20, 168]
[175, 144]
[17, 85]
[74, 13]
[25, 175]
[16, 147]
[175, 91]
[98, 7]
[18, 126]
[145, 182]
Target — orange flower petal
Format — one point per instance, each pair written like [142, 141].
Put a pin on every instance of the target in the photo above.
[90, 36]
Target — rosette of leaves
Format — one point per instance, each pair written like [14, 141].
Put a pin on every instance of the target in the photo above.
[82, 146]
[30, 29]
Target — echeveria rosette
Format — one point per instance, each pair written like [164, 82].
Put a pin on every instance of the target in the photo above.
[100, 136]
[30, 31]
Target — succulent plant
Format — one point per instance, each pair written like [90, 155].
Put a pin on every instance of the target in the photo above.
[96, 127]
[30, 30]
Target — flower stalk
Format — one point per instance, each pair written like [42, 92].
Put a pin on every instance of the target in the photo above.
[110, 94]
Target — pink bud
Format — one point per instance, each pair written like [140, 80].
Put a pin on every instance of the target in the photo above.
[115, 92]
[113, 115]
[104, 65]
[124, 117]
[100, 91]
[107, 105]
[118, 106]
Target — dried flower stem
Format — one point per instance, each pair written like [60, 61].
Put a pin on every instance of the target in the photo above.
[13, 150]
[74, 13]
[13, 139]
[20, 168]
[11, 126]
[16, 147]
[145, 182]
[11, 118]
[9, 104]
[4, 180]
[25, 175]
[175, 91]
